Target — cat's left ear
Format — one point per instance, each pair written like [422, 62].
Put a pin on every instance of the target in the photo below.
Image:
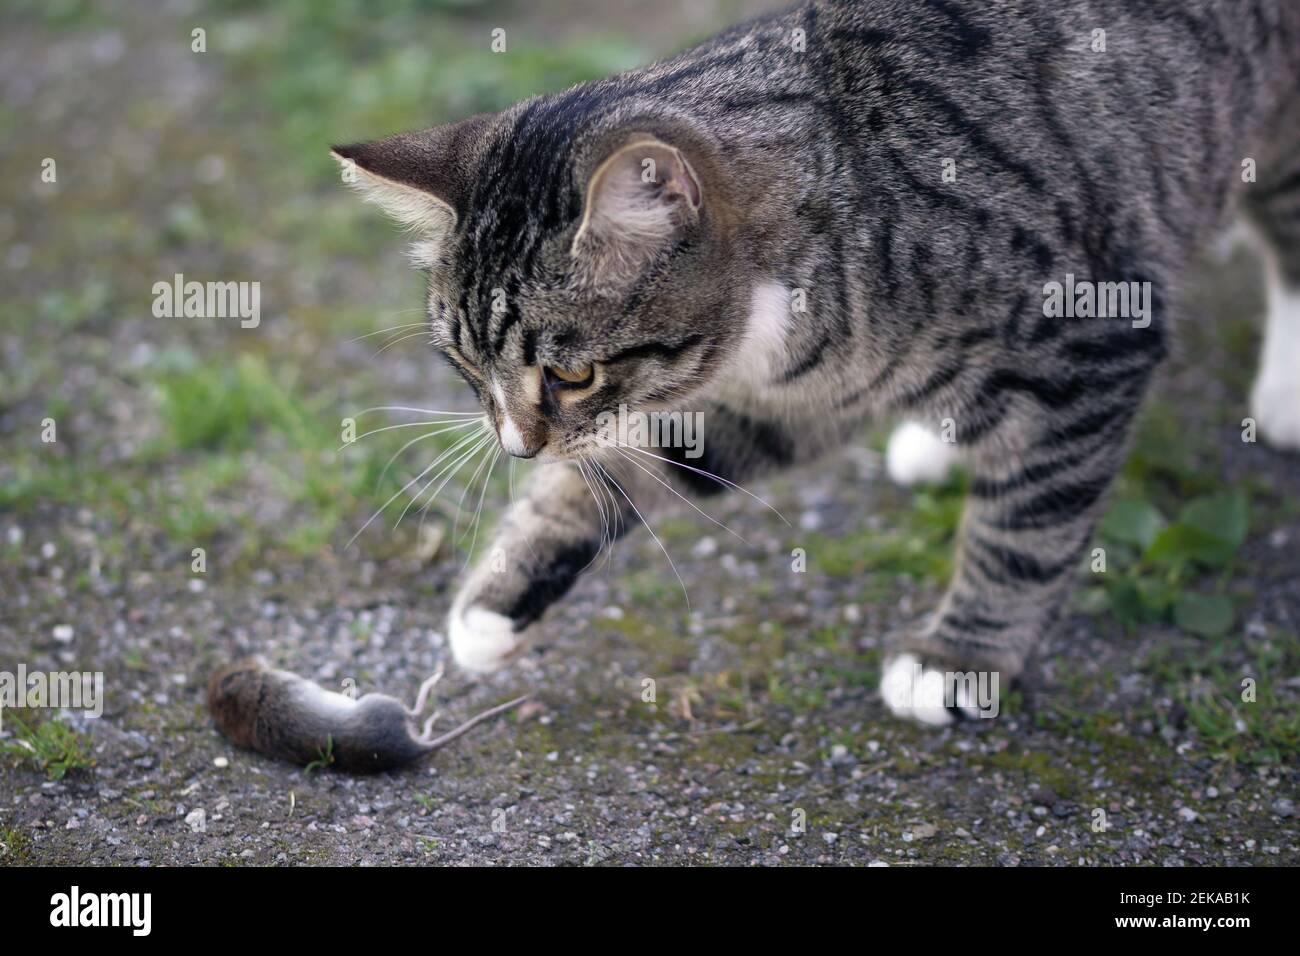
[422, 179]
[638, 199]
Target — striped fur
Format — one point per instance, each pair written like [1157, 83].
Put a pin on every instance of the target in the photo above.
[819, 138]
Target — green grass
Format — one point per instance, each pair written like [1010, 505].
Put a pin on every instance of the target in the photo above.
[916, 540]
[223, 407]
[1171, 535]
[15, 847]
[241, 428]
[52, 747]
[1209, 682]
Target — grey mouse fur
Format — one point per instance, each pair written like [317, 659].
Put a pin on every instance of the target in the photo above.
[282, 715]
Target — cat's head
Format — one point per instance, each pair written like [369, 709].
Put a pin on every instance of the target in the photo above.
[576, 263]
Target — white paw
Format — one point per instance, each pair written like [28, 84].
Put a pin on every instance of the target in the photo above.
[924, 694]
[1275, 406]
[481, 640]
[917, 456]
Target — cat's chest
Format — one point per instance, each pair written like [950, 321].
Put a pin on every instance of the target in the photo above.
[757, 375]
[758, 359]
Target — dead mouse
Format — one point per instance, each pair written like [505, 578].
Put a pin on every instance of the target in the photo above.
[282, 715]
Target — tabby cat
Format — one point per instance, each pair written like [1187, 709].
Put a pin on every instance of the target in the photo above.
[846, 211]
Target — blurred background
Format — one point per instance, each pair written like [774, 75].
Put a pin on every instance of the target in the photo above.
[215, 165]
[176, 434]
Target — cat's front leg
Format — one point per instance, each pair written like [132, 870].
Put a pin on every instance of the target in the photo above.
[1028, 519]
[552, 532]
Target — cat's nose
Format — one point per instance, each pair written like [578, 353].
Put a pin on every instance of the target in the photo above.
[521, 442]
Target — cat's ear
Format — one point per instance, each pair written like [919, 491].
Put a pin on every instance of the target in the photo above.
[421, 179]
[638, 199]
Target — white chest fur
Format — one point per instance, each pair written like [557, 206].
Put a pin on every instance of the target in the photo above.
[762, 353]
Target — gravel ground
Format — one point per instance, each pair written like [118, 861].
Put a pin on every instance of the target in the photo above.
[766, 743]
[766, 712]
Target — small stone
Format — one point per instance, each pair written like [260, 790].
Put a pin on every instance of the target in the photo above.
[1187, 814]
[1283, 807]
[63, 633]
[197, 820]
[429, 542]
[830, 838]
[924, 831]
[221, 763]
[706, 547]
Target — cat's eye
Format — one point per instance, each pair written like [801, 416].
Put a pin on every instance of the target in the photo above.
[579, 377]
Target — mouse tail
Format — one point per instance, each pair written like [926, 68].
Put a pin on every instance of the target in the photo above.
[435, 742]
[422, 698]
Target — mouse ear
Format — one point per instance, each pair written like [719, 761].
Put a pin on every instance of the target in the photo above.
[638, 199]
[420, 179]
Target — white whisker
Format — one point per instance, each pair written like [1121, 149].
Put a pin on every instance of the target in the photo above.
[692, 504]
[388, 428]
[461, 501]
[710, 475]
[478, 512]
[633, 506]
[395, 328]
[604, 521]
[384, 474]
[411, 408]
[450, 472]
[402, 338]
[614, 506]
[397, 494]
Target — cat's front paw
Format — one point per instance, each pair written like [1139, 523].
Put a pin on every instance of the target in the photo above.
[1275, 406]
[933, 694]
[481, 639]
